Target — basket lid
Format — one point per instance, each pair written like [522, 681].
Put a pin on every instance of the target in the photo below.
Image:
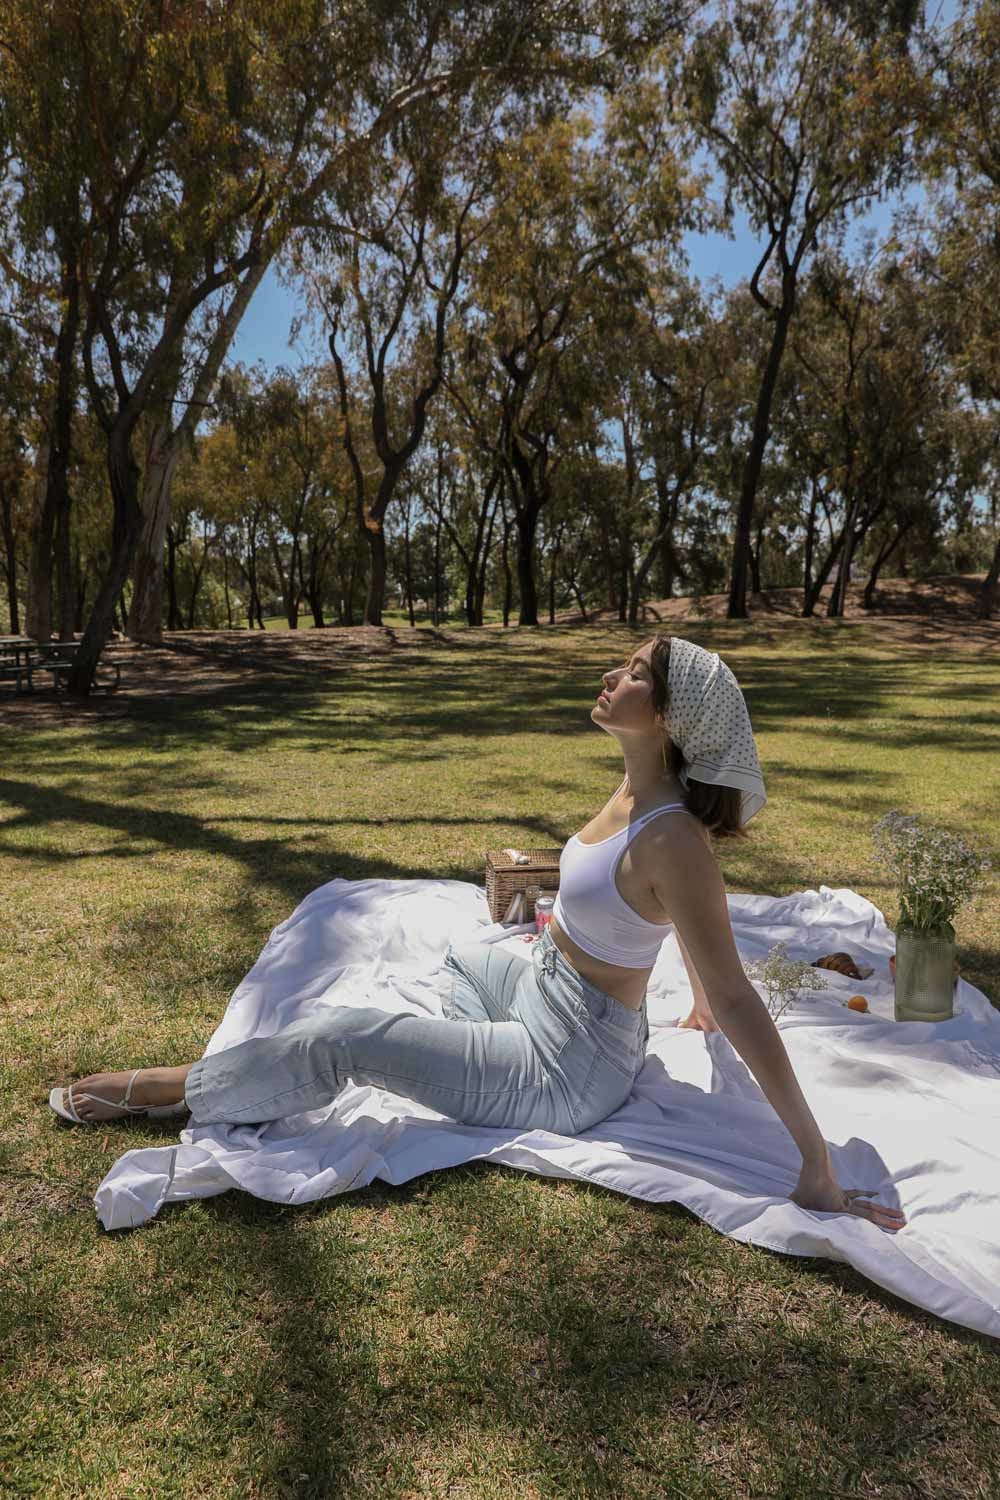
[501, 859]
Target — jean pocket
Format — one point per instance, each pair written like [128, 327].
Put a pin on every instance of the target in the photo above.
[561, 1003]
[595, 1003]
[605, 1091]
[622, 1063]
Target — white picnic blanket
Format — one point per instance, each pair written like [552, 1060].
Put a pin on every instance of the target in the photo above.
[910, 1109]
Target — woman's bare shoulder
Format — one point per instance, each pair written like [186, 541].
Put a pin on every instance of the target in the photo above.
[680, 830]
[678, 843]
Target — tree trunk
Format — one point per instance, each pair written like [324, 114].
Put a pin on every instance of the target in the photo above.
[251, 573]
[64, 572]
[526, 522]
[145, 621]
[484, 559]
[986, 603]
[225, 581]
[124, 478]
[311, 587]
[754, 560]
[38, 606]
[508, 582]
[79, 591]
[807, 601]
[198, 574]
[173, 609]
[52, 515]
[553, 571]
[838, 594]
[665, 522]
[408, 567]
[436, 611]
[7, 519]
[814, 591]
[579, 599]
[737, 609]
[609, 560]
[868, 597]
[376, 579]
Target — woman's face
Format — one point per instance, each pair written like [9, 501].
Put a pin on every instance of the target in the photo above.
[626, 698]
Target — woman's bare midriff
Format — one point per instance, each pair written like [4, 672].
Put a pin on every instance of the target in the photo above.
[628, 986]
[625, 985]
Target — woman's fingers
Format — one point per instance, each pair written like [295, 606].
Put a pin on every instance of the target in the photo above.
[877, 1213]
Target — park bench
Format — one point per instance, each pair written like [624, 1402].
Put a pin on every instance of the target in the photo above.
[20, 661]
[11, 672]
[60, 664]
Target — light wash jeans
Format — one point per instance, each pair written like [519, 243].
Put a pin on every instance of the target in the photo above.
[523, 1045]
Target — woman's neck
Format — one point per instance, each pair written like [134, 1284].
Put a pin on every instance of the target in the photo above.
[656, 789]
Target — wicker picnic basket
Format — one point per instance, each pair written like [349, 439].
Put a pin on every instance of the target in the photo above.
[505, 877]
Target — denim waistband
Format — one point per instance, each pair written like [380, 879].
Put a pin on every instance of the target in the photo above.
[552, 959]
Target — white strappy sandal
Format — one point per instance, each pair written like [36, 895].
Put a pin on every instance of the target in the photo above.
[61, 1100]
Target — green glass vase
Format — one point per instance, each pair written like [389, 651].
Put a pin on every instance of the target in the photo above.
[925, 973]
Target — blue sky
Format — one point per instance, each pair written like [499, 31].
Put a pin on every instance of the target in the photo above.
[263, 333]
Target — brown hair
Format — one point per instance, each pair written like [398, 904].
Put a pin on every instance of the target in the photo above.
[718, 807]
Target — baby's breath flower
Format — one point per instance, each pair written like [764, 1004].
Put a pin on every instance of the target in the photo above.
[783, 977]
[935, 870]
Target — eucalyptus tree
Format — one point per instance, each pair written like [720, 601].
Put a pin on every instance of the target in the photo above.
[578, 201]
[396, 267]
[458, 485]
[384, 260]
[959, 145]
[673, 361]
[868, 393]
[16, 416]
[807, 109]
[205, 133]
[42, 172]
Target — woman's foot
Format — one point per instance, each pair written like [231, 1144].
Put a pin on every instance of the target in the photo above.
[152, 1086]
[699, 1020]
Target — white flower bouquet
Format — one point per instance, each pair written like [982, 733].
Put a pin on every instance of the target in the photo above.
[935, 871]
[783, 978]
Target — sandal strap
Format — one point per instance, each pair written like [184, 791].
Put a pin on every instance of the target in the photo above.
[123, 1103]
[68, 1100]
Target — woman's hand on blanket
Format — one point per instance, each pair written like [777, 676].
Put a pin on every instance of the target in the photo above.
[822, 1192]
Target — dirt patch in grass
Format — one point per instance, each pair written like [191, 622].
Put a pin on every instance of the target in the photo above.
[212, 667]
[938, 611]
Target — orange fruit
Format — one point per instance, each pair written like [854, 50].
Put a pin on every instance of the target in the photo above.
[856, 1002]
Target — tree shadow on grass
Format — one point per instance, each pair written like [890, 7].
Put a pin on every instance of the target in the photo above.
[285, 865]
[479, 1319]
[239, 696]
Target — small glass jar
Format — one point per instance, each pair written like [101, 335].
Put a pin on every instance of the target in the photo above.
[543, 912]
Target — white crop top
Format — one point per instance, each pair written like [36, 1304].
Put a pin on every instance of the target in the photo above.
[589, 907]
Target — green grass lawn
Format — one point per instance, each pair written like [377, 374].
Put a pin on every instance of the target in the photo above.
[478, 1332]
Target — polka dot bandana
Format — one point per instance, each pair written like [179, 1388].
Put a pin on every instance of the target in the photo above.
[708, 721]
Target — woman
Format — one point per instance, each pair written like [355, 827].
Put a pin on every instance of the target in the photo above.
[555, 1043]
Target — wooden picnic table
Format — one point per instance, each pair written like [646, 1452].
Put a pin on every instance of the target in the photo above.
[39, 656]
[12, 649]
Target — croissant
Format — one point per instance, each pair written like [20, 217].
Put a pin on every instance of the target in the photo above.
[843, 963]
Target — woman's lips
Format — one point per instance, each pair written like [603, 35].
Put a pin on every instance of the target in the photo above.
[603, 698]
